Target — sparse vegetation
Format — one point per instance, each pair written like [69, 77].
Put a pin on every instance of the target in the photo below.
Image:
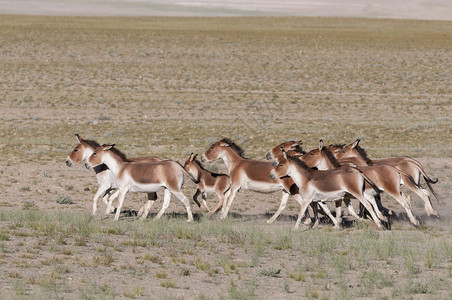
[172, 86]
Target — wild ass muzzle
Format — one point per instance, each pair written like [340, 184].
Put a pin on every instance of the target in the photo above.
[142, 177]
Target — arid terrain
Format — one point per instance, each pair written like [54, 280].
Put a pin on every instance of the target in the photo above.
[171, 86]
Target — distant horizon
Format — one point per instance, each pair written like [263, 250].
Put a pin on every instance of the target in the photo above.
[396, 9]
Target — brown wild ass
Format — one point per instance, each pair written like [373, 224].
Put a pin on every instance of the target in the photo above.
[250, 175]
[385, 177]
[331, 185]
[208, 182]
[293, 149]
[142, 177]
[105, 178]
[407, 165]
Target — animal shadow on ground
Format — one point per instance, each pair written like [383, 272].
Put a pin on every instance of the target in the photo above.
[323, 220]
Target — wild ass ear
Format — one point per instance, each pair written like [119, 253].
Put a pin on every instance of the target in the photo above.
[355, 143]
[320, 144]
[284, 154]
[79, 139]
[108, 147]
[191, 157]
[194, 157]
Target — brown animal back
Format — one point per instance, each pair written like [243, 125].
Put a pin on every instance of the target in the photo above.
[257, 170]
[151, 172]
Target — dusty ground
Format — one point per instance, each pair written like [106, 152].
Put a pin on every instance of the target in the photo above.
[171, 86]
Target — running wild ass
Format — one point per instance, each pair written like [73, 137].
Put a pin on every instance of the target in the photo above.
[331, 185]
[143, 177]
[385, 177]
[208, 182]
[104, 176]
[250, 174]
[409, 166]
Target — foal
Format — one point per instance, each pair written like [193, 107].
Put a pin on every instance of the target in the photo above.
[208, 182]
[144, 177]
[407, 165]
[331, 185]
[250, 174]
[104, 177]
[385, 177]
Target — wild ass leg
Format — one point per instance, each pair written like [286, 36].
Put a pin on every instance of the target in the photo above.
[166, 202]
[364, 200]
[103, 189]
[185, 201]
[351, 210]
[110, 207]
[373, 201]
[204, 202]
[227, 205]
[423, 193]
[303, 208]
[282, 206]
[195, 197]
[328, 213]
[404, 201]
[338, 213]
[223, 199]
[122, 195]
[146, 208]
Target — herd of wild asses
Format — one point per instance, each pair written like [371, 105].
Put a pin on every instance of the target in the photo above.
[334, 173]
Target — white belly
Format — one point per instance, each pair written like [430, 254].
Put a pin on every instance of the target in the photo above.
[145, 188]
[328, 196]
[261, 187]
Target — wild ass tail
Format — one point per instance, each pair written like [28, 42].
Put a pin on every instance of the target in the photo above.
[427, 178]
[353, 169]
[421, 170]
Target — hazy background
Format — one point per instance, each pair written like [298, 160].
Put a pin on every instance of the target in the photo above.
[399, 9]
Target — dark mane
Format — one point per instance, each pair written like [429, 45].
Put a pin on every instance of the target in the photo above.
[234, 147]
[311, 174]
[336, 146]
[363, 154]
[92, 143]
[298, 149]
[331, 157]
[299, 162]
[118, 153]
